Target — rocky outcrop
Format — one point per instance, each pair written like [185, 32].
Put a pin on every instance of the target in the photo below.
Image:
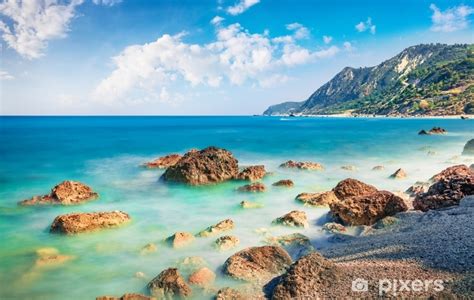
[284, 182]
[163, 162]
[257, 264]
[349, 187]
[295, 218]
[399, 174]
[368, 209]
[307, 165]
[252, 173]
[226, 242]
[203, 277]
[169, 284]
[85, 222]
[296, 244]
[248, 204]
[180, 239]
[220, 227]
[469, 148]
[317, 199]
[256, 187]
[210, 165]
[66, 193]
[128, 296]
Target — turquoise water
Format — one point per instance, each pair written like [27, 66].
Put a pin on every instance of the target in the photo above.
[105, 152]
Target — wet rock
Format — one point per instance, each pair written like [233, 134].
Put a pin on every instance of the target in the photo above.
[423, 132]
[418, 188]
[256, 187]
[169, 284]
[257, 264]
[284, 182]
[220, 227]
[368, 209]
[203, 277]
[210, 165]
[469, 148]
[66, 193]
[296, 244]
[334, 227]
[386, 222]
[352, 187]
[148, 248]
[191, 263]
[317, 199]
[248, 204]
[349, 168]
[230, 294]
[252, 173]
[85, 222]
[454, 171]
[164, 162]
[294, 218]
[226, 242]
[50, 257]
[180, 239]
[399, 174]
[378, 168]
[437, 130]
[302, 165]
[128, 296]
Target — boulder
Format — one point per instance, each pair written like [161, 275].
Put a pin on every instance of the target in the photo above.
[180, 239]
[294, 218]
[252, 173]
[352, 187]
[284, 182]
[307, 165]
[163, 162]
[148, 248]
[469, 148]
[85, 222]
[256, 187]
[248, 204]
[317, 199]
[230, 294]
[454, 171]
[50, 257]
[333, 227]
[66, 193]
[169, 284]
[220, 227]
[368, 209]
[257, 264]
[128, 296]
[378, 168]
[399, 174]
[210, 165]
[296, 244]
[226, 242]
[203, 277]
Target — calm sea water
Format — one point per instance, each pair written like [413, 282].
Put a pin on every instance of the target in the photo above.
[106, 152]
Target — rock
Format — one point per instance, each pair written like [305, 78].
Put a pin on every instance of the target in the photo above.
[352, 187]
[437, 130]
[308, 278]
[180, 239]
[50, 257]
[148, 248]
[66, 193]
[230, 294]
[349, 168]
[84, 222]
[226, 242]
[220, 227]
[368, 209]
[210, 165]
[252, 173]
[334, 227]
[191, 263]
[296, 244]
[317, 199]
[248, 204]
[386, 222]
[284, 182]
[302, 165]
[449, 187]
[169, 284]
[256, 187]
[294, 218]
[469, 148]
[129, 296]
[378, 168]
[432, 153]
[257, 264]
[418, 188]
[399, 174]
[203, 277]
[164, 162]
[423, 132]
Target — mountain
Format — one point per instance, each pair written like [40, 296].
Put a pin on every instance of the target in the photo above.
[427, 79]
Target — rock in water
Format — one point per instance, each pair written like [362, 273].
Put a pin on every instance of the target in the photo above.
[66, 193]
[220, 227]
[368, 209]
[230, 294]
[352, 187]
[84, 222]
[256, 187]
[437, 130]
[317, 199]
[469, 148]
[248, 204]
[349, 168]
[164, 162]
[257, 264]
[252, 173]
[284, 182]
[128, 296]
[294, 218]
[203, 277]
[180, 239]
[423, 132]
[399, 174]
[50, 257]
[296, 244]
[169, 284]
[210, 165]
[378, 168]
[226, 242]
[307, 165]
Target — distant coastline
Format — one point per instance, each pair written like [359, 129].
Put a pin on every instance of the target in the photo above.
[465, 116]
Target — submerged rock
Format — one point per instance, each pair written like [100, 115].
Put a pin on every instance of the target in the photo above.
[84, 222]
[220, 227]
[352, 187]
[257, 264]
[164, 162]
[180, 239]
[307, 165]
[128, 296]
[192, 263]
[50, 257]
[256, 187]
[349, 168]
[399, 174]
[437, 130]
[248, 204]
[203, 277]
[210, 165]
[226, 242]
[423, 132]
[252, 173]
[148, 248]
[294, 218]
[317, 199]
[296, 244]
[469, 148]
[284, 182]
[378, 168]
[66, 193]
[169, 284]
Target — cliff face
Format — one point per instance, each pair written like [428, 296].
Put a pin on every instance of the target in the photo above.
[429, 79]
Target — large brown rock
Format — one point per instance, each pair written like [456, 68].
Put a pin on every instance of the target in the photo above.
[255, 187]
[169, 284]
[210, 165]
[349, 187]
[163, 162]
[257, 264]
[448, 188]
[368, 209]
[180, 239]
[252, 173]
[317, 199]
[284, 182]
[84, 222]
[304, 165]
[295, 218]
[66, 193]
[203, 277]
[469, 148]
[220, 227]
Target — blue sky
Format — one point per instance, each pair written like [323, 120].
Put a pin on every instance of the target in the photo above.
[200, 57]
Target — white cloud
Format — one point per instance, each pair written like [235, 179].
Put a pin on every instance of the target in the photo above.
[4, 75]
[452, 19]
[217, 20]
[348, 46]
[327, 39]
[106, 2]
[367, 25]
[241, 6]
[300, 32]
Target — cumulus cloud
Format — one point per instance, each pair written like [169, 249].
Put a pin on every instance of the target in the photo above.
[327, 39]
[452, 19]
[217, 20]
[106, 2]
[300, 32]
[241, 6]
[4, 75]
[236, 56]
[367, 25]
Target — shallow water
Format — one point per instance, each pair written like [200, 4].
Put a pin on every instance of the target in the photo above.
[106, 152]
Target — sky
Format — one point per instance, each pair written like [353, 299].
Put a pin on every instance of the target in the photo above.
[201, 57]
